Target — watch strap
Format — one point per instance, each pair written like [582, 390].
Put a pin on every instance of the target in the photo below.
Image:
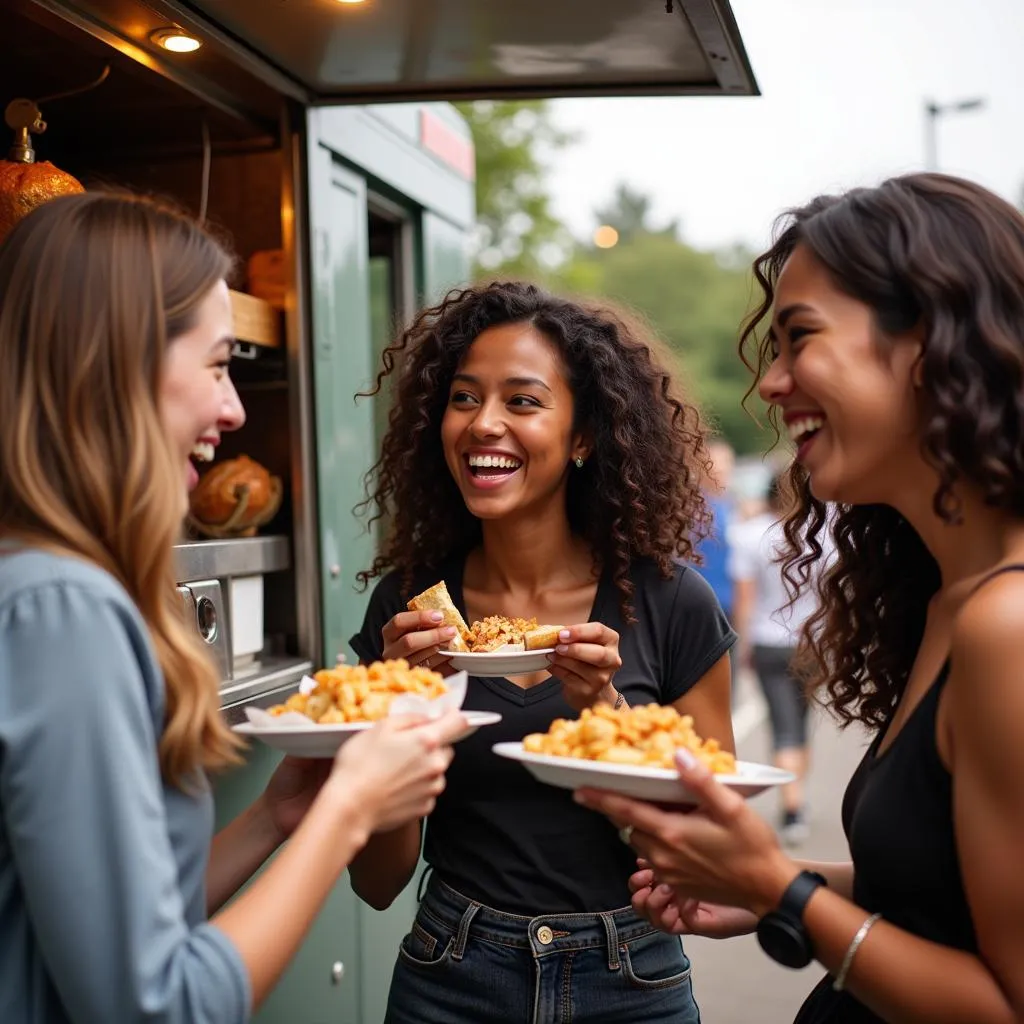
[798, 893]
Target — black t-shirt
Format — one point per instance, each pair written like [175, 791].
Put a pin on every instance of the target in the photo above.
[497, 835]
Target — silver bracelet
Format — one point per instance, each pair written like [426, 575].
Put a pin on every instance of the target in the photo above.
[619, 702]
[851, 952]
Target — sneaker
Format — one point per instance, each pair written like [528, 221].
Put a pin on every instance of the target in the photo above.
[793, 830]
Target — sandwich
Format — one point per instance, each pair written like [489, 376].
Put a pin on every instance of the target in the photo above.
[437, 598]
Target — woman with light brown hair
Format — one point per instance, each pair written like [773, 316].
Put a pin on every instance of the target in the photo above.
[115, 339]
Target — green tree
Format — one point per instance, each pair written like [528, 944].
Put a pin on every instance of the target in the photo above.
[629, 213]
[517, 232]
[695, 301]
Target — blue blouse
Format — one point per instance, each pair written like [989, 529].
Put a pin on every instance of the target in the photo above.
[102, 865]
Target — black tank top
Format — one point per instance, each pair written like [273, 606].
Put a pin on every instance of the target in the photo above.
[898, 819]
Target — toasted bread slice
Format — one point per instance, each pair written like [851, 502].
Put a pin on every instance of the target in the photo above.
[437, 598]
[542, 636]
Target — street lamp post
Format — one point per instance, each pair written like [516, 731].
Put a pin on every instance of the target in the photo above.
[932, 112]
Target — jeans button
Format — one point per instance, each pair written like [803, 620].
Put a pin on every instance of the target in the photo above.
[544, 935]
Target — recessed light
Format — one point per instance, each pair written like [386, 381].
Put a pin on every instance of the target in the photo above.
[176, 40]
[351, 1]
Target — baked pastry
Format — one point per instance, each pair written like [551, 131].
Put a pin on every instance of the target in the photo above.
[437, 598]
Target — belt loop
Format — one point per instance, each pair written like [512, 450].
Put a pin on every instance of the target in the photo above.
[422, 887]
[613, 941]
[463, 933]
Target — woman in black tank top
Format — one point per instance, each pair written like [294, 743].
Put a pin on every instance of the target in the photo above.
[894, 350]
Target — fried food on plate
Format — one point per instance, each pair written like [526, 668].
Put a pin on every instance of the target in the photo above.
[437, 598]
[498, 632]
[493, 633]
[541, 637]
[361, 693]
[646, 736]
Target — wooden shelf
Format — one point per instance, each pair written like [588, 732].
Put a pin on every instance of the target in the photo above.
[256, 320]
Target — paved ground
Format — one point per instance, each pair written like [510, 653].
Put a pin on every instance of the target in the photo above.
[735, 983]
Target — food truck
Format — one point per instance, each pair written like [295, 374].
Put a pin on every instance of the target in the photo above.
[317, 136]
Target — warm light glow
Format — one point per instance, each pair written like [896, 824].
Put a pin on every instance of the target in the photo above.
[605, 236]
[175, 40]
[351, 1]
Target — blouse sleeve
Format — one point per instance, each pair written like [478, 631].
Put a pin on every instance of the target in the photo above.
[85, 820]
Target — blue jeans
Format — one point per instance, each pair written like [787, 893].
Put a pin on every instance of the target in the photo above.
[464, 963]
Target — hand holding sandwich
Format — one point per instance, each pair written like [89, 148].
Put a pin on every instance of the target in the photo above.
[586, 659]
[417, 636]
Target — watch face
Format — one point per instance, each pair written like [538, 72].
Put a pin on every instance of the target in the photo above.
[783, 940]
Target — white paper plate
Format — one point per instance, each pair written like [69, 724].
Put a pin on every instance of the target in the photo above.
[501, 663]
[324, 740]
[659, 785]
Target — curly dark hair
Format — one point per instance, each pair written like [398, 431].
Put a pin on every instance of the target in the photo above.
[639, 493]
[945, 255]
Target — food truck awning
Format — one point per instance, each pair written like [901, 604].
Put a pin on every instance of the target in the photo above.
[377, 50]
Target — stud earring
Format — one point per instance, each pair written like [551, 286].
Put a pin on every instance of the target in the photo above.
[579, 461]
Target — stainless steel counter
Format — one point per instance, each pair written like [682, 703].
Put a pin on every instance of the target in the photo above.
[266, 676]
[216, 559]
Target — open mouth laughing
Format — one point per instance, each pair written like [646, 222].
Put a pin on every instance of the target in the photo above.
[490, 469]
[803, 428]
[202, 452]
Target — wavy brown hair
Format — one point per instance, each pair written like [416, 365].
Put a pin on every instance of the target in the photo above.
[638, 495]
[945, 255]
[93, 289]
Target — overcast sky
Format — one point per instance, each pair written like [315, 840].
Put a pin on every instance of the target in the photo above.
[843, 84]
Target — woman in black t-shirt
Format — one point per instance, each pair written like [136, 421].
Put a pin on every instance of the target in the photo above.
[896, 354]
[540, 460]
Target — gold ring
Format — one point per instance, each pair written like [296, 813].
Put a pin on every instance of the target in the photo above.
[626, 834]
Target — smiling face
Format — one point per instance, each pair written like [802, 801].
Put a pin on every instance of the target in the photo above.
[198, 401]
[508, 432]
[847, 395]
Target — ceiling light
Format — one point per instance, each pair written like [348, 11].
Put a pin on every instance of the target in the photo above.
[351, 1]
[176, 40]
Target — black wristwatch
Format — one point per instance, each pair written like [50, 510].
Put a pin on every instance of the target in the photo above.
[781, 932]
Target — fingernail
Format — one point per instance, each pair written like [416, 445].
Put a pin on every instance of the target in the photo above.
[564, 635]
[436, 616]
[686, 759]
[448, 631]
[561, 649]
[665, 890]
[580, 798]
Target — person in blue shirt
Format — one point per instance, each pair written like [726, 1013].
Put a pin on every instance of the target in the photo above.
[714, 549]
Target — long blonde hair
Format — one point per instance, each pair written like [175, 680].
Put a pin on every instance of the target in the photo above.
[93, 288]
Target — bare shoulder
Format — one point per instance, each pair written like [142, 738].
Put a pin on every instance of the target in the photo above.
[987, 667]
[991, 621]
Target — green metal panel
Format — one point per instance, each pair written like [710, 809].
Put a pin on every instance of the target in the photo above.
[365, 138]
[446, 262]
[308, 992]
[342, 365]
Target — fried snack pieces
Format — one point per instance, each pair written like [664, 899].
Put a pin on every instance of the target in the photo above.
[361, 693]
[646, 736]
[437, 598]
[488, 634]
[541, 637]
